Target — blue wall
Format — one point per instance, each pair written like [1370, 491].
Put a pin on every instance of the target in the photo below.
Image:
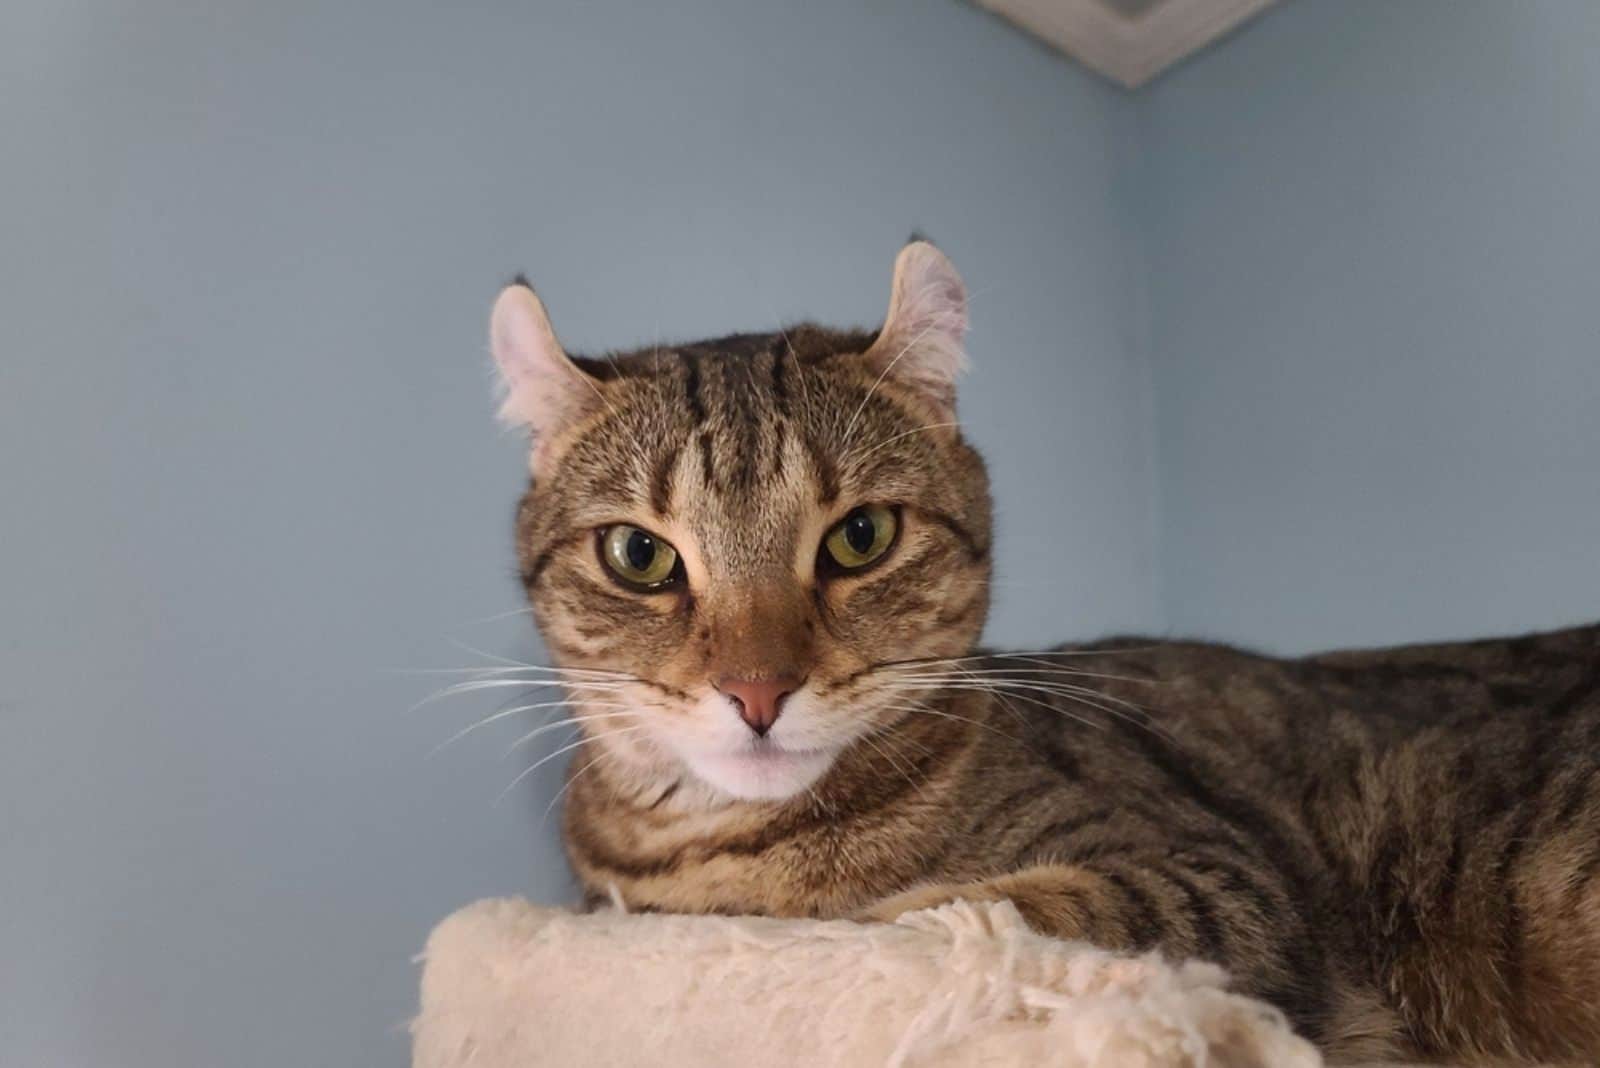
[1338, 275]
[1373, 243]
[248, 465]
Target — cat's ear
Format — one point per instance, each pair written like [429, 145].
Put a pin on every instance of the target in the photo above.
[545, 391]
[922, 344]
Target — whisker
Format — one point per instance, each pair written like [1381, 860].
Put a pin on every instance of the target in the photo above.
[1012, 654]
[580, 743]
[919, 706]
[472, 687]
[868, 739]
[519, 663]
[574, 777]
[1044, 667]
[794, 361]
[574, 722]
[1022, 697]
[502, 714]
[1026, 682]
[800, 374]
[893, 731]
[1039, 678]
[970, 674]
[1089, 698]
[1050, 669]
[1066, 689]
[507, 671]
[496, 617]
[1058, 689]
[493, 684]
[501, 679]
[860, 455]
[885, 374]
[1004, 702]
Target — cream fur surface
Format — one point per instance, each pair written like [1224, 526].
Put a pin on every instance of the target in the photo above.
[507, 984]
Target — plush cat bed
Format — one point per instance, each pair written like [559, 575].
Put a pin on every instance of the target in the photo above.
[506, 984]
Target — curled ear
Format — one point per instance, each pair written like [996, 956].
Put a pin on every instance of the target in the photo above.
[922, 344]
[545, 390]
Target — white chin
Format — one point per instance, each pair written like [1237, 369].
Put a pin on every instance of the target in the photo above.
[766, 773]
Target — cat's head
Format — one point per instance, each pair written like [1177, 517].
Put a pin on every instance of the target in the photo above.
[736, 539]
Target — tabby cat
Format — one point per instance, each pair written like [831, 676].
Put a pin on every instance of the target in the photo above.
[762, 563]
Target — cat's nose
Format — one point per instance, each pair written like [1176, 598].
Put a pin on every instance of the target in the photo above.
[759, 701]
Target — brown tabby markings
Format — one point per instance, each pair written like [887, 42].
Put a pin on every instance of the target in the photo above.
[1399, 847]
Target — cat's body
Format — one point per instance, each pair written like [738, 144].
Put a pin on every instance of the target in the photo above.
[762, 564]
[1399, 848]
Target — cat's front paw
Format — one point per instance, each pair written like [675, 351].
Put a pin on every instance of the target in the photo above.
[925, 897]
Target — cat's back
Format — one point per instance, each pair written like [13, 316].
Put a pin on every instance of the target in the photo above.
[1344, 732]
[1395, 691]
[1425, 817]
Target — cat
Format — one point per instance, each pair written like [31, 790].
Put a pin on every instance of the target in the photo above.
[762, 564]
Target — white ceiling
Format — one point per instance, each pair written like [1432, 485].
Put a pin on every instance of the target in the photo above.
[1128, 41]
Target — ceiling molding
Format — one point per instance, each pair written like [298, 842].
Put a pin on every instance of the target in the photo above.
[1130, 49]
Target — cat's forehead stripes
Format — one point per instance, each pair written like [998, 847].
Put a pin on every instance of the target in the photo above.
[739, 447]
[743, 407]
[742, 434]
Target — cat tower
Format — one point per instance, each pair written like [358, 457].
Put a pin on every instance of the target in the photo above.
[506, 984]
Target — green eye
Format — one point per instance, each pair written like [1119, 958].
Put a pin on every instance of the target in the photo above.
[638, 557]
[861, 537]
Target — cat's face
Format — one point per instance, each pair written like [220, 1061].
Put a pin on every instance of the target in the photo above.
[735, 539]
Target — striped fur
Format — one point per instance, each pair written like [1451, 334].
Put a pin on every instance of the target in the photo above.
[1399, 848]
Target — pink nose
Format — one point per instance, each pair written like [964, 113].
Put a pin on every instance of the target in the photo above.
[760, 701]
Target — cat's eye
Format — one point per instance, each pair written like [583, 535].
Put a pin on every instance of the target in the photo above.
[639, 558]
[860, 538]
